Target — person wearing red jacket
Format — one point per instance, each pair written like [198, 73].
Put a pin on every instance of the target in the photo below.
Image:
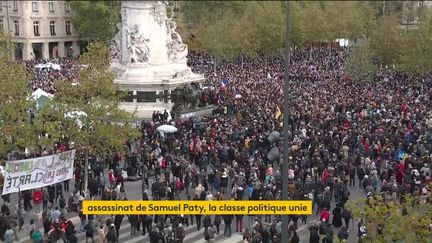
[325, 214]
[37, 199]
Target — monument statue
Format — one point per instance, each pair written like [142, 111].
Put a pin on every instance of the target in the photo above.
[187, 97]
[177, 50]
[137, 45]
[147, 36]
[158, 12]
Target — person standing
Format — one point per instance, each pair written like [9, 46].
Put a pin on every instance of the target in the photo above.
[51, 194]
[45, 198]
[133, 220]
[111, 236]
[227, 219]
[66, 185]
[346, 215]
[239, 223]
[37, 200]
[217, 221]
[180, 233]
[89, 229]
[206, 222]
[117, 222]
[337, 217]
[59, 191]
[9, 235]
[36, 236]
[101, 234]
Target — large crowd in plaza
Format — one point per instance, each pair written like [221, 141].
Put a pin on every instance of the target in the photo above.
[375, 135]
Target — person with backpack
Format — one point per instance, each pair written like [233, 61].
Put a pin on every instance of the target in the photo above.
[111, 235]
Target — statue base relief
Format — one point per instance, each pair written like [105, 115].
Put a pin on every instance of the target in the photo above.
[151, 85]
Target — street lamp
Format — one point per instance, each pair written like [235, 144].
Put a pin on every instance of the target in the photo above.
[285, 123]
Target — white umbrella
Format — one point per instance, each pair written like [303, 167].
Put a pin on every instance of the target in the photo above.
[167, 129]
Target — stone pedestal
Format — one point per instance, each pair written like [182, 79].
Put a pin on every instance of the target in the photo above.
[149, 57]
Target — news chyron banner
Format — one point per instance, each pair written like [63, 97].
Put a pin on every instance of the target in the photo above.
[303, 207]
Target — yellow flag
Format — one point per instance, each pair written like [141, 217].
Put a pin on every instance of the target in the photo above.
[278, 112]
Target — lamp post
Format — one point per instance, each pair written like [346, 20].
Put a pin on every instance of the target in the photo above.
[19, 209]
[285, 123]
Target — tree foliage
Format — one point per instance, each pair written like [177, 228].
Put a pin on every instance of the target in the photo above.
[416, 50]
[393, 221]
[95, 102]
[16, 132]
[385, 40]
[96, 20]
[230, 28]
[360, 65]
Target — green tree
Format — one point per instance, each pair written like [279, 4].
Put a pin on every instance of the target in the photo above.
[385, 40]
[392, 221]
[95, 102]
[416, 50]
[96, 20]
[267, 27]
[16, 132]
[360, 65]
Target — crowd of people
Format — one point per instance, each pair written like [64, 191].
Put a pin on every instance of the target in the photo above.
[376, 132]
[44, 77]
[343, 133]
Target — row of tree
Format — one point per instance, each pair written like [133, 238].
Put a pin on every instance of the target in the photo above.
[83, 114]
[228, 29]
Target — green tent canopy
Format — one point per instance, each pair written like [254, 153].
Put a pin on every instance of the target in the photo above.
[42, 98]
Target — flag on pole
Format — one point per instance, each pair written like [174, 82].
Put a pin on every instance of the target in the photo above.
[278, 112]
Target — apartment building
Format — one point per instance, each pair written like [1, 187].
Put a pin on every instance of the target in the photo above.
[39, 29]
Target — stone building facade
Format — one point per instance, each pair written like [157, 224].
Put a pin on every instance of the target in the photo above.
[39, 29]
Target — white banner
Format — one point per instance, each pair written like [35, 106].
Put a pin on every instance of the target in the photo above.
[38, 172]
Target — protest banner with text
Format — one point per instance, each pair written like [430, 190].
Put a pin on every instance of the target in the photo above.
[38, 172]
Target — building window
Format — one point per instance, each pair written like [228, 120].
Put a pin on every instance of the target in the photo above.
[1, 7]
[1, 25]
[34, 6]
[68, 28]
[51, 6]
[36, 28]
[67, 6]
[16, 24]
[52, 28]
[15, 6]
